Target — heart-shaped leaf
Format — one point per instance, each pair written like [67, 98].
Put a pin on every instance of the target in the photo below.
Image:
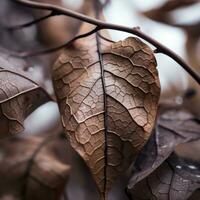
[108, 95]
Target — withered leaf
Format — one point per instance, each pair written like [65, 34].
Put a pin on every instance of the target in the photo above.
[31, 169]
[108, 95]
[173, 128]
[174, 179]
[19, 96]
[192, 49]
[163, 13]
[54, 31]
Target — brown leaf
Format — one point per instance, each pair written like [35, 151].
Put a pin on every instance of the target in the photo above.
[174, 179]
[19, 96]
[163, 13]
[173, 128]
[31, 169]
[57, 30]
[54, 31]
[108, 95]
[189, 150]
[192, 49]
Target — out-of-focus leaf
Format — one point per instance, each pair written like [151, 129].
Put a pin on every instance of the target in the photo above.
[59, 29]
[163, 13]
[55, 30]
[173, 128]
[19, 96]
[31, 168]
[192, 49]
[174, 179]
[108, 96]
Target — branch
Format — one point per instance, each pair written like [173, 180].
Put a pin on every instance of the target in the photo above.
[160, 48]
[13, 28]
[45, 51]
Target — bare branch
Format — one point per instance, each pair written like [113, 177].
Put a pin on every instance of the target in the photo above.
[103, 25]
[105, 38]
[50, 50]
[13, 28]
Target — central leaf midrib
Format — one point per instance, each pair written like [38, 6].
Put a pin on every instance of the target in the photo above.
[105, 108]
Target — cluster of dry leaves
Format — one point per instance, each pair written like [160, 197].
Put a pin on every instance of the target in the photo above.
[108, 96]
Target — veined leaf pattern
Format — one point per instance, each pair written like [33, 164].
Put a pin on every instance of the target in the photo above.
[173, 128]
[19, 96]
[108, 95]
[174, 179]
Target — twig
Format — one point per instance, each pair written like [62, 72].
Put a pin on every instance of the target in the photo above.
[50, 50]
[13, 28]
[160, 48]
[105, 38]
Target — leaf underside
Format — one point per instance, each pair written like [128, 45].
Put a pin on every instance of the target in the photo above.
[108, 95]
[165, 183]
[172, 128]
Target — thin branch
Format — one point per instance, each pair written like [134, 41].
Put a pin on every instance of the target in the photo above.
[13, 28]
[105, 38]
[50, 50]
[103, 25]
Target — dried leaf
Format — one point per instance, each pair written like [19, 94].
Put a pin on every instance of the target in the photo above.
[174, 179]
[31, 169]
[163, 13]
[53, 31]
[192, 49]
[108, 95]
[19, 96]
[173, 128]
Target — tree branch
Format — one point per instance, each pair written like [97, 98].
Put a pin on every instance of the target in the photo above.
[160, 48]
[50, 50]
[12, 28]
